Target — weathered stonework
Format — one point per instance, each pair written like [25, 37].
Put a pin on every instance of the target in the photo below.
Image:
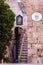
[35, 30]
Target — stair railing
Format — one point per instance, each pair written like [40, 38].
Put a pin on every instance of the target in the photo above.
[21, 48]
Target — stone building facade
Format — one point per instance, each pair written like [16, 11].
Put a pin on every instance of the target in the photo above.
[34, 29]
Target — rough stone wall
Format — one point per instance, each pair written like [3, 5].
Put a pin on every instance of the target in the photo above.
[34, 31]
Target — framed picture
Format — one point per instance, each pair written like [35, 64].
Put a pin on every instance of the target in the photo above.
[19, 20]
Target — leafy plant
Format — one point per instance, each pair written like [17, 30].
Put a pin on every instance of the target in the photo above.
[7, 18]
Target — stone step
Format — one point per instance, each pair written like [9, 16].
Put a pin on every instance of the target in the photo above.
[24, 44]
[25, 40]
[24, 47]
[24, 61]
[23, 57]
[24, 54]
[24, 51]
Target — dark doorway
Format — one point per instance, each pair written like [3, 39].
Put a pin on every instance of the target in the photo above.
[18, 33]
[16, 45]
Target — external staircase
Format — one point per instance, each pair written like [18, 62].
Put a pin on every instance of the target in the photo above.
[23, 55]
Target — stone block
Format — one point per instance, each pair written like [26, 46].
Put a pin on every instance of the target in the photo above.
[29, 46]
[36, 34]
[40, 39]
[36, 60]
[37, 46]
[30, 35]
[39, 23]
[39, 29]
[32, 40]
[32, 51]
[34, 29]
[30, 24]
